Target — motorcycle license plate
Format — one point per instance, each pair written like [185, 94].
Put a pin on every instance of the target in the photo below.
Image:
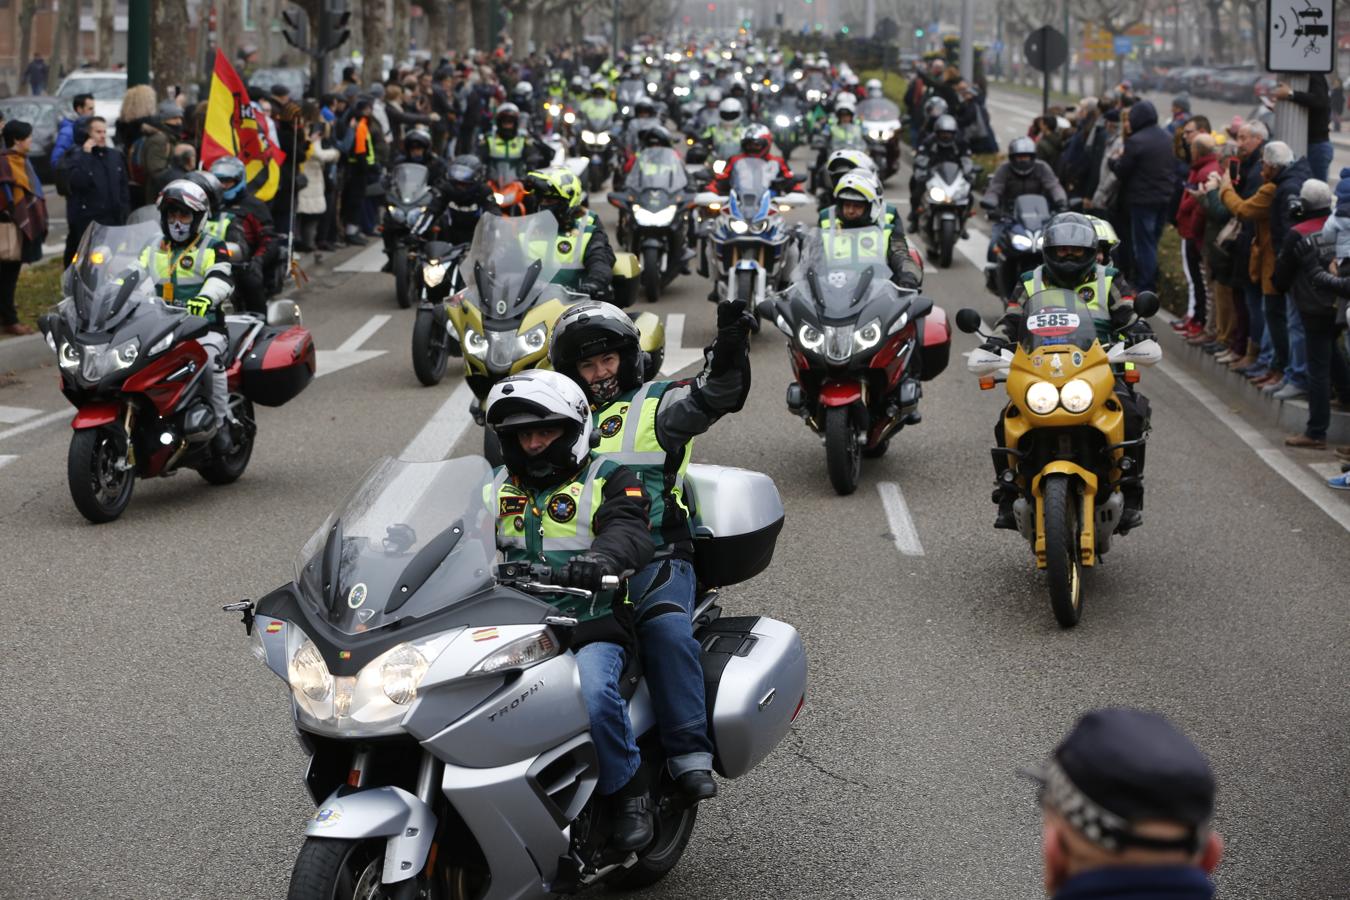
[1052, 323]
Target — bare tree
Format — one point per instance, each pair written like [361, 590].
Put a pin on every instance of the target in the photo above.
[66, 42]
[1114, 17]
[105, 31]
[402, 33]
[229, 28]
[439, 16]
[171, 66]
[373, 26]
[26, 14]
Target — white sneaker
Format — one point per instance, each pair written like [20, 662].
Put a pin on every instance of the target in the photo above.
[1290, 392]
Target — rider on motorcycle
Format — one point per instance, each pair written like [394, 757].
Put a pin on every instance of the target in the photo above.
[261, 246]
[191, 270]
[859, 204]
[462, 198]
[728, 126]
[417, 149]
[508, 143]
[944, 144]
[653, 426]
[1070, 263]
[598, 108]
[557, 191]
[1022, 174]
[548, 499]
[843, 131]
[755, 143]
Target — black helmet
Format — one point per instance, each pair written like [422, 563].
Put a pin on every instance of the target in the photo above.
[215, 194]
[655, 136]
[1070, 248]
[1022, 155]
[643, 107]
[416, 137]
[588, 329]
[945, 130]
[465, 177]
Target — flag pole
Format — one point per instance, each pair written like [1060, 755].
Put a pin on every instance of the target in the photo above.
[292, 267]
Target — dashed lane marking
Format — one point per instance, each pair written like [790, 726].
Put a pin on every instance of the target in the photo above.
[39, 422]
[13, 415]
[441, 432]
[6, 460]
[677, 355]
[903, 532]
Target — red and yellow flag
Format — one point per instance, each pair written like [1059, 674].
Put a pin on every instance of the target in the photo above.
[233, 129]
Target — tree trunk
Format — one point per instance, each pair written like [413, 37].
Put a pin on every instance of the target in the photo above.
[373, 25]
[168, 62]
[483, 38]
[522, 26]
[265, 12]
[105, 30]
[356, 42]
[26, 13]
[66, 43]
[229, 29]
[440, 17]
[402, 35]
[577, 19]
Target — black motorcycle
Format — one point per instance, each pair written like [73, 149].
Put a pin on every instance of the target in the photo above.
[595, 142]
[653, 214]
[1017, 248]
[434, 339]
[881, 123]
[408, 193]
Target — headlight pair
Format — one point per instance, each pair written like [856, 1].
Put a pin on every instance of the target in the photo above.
[1043, 397]
[839, 342]
[658, 219]
[98, 360]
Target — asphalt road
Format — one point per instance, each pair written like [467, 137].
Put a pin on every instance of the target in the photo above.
[147, 755]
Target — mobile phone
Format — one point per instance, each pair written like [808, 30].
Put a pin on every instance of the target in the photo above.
[1233, 169]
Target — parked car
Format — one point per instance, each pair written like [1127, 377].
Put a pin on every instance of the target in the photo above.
[295, 78]
[108, 89]
[44, 114]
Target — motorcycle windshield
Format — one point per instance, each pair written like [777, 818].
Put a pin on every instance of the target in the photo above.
[409, 183]
[107, 273]
[841, 268]
[1057, 318]
[505, 171]
[630, 91]
[511, 258]
[949, 172]
[877, 110]
[751, 183]
[411, 539]
[1031, 211]
[659, 167]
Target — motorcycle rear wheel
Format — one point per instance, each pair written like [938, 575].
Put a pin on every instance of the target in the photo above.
[1063, 562]
[399, 264]
[333, 869]
[674, 828]
[430, 346]
[229, 469]
[101, 492]
[843, 454]
[946, 241]
[651, 274]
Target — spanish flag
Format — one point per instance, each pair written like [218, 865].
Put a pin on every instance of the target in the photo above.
[233, 129]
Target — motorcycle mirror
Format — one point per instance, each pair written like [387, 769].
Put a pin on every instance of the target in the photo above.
[617, 199]
[969, 321]
[245, 607]
[1146, 304]
[283, 312]
[988, 203]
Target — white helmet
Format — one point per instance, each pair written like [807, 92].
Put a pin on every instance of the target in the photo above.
[874, 88]
[539, 398]
[862, 186]
[846, 101]
[841, 162]
[729, 110]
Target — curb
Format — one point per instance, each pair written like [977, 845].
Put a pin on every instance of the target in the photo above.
[1289, 416]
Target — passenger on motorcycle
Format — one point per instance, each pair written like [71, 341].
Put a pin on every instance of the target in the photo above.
[588, 519]
[755, 144]
[557, 191]
[191, 270]
[462, 199]
[840, 133]
[650, 429]
[261, 245]
[220, 224]
[1070, 262]
[944, 144]
[859, 203]
[1022, 174]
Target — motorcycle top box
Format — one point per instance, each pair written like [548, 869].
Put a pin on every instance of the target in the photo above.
[280, 364]
[737, 515]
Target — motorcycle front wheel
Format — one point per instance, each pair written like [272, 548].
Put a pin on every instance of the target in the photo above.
[745, 287]
[1063, 562]
[843, 454]
[100, 489]
[674, 828]
[651, 274]
[946, 241]
[430, 346]
[399, 264]
[332, 869]
[229, 469]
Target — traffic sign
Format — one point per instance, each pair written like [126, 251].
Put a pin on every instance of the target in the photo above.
[1124, 46]
[1046, 49]
[1300, 35]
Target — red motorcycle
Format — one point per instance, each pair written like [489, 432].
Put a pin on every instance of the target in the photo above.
[134, 370]
[861, 347]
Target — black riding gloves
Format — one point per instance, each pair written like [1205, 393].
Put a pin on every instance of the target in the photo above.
[587, 571]
[734, 324]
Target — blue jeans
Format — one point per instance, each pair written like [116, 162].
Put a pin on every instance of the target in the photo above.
[600, 665]
[1296, 373]
[664, 594]
[1319, 159]
[1146, 228]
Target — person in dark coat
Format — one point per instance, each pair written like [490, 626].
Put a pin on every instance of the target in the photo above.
[1317, 101]
[96, 179]
[1147, 171]
[22, 204]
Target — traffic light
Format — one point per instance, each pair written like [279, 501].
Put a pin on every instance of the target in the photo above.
[918, 32]
[745, 23]
[843, 29]
[340, 31]
[294, 29]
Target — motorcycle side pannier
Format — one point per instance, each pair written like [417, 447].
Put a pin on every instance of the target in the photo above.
[754, 676]
[736, 517]
[936, 350]
[279, 365]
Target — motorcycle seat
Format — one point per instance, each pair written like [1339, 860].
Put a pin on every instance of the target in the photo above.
[236, 329]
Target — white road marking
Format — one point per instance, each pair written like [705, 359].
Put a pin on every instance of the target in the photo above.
[897, 516]
[6, 460]
[439, 435]
[1326, 469]
[1298, 476]
[349, 352]
[13, 415]
[677, 355]
[973, 250]
[37, 423]
[371, 259]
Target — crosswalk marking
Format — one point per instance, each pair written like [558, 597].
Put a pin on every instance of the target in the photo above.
[13, 415]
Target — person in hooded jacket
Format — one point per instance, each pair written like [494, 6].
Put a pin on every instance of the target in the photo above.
[1289, 179]
[1146, 169]
[1337, 226]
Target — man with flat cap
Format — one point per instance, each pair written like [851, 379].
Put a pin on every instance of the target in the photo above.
[1126, 801]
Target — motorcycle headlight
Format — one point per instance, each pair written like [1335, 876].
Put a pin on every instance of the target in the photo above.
[498, 198]
[474, 343]
[719, 166]
[781, 121]
[937, 194]
[868, 336]
[433, 273]
[397, 215]
[520, 654]
[1021, 242]
[809, 337]
[838, 342]
[69, 355]
[1042, 398]
[570, 118]
[401, 673]
[588, 136]
[738, 226]
[602, 138]
[651, 87]
[161, 345]
[658, 219]
[96, 361]
[533, 340]
[760, 227]
[308, 673]
[1076, 395]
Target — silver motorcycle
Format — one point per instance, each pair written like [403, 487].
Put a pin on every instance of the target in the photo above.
[435, 692]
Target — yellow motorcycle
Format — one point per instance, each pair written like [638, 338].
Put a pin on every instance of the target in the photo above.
[1064, 431]
[516, 287]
